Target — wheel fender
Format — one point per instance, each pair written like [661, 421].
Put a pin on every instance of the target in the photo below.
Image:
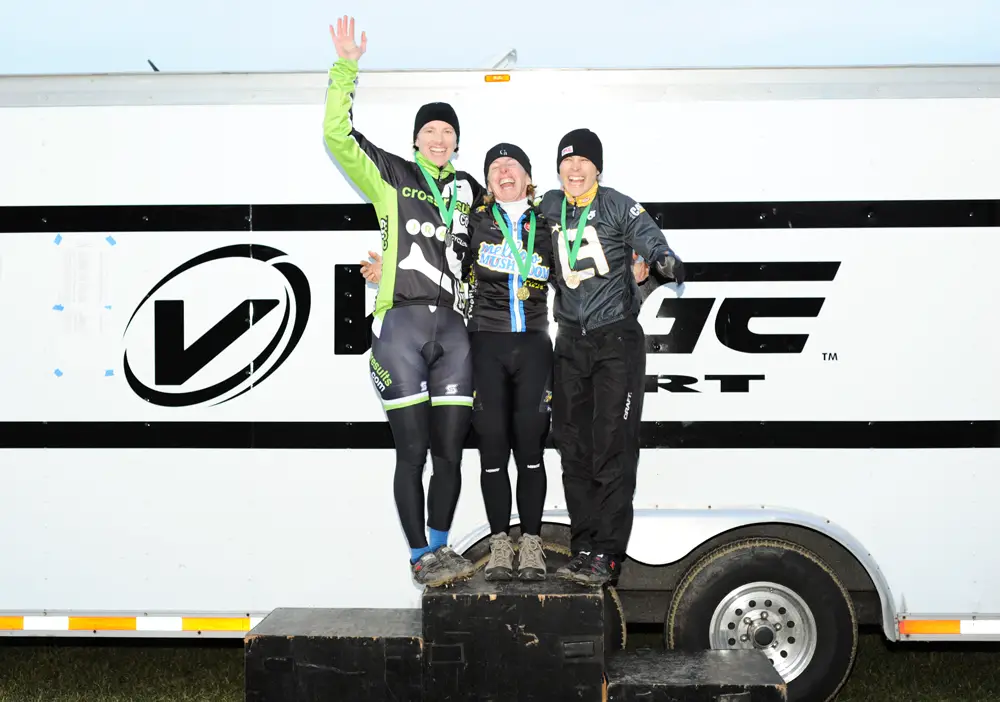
[663, 536]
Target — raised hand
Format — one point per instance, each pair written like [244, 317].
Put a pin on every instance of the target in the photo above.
[343, 39]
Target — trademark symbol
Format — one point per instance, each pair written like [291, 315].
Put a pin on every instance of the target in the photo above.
[829, 356]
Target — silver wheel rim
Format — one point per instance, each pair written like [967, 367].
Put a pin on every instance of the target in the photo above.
[767, 617]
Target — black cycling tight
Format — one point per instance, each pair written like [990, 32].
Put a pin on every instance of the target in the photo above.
[417, 429]
[512, 379]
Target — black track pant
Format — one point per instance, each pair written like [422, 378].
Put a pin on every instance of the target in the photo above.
[512, 374]
[422, 368]
[596, 413]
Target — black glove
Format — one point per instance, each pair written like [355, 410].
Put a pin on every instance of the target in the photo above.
[671, 267]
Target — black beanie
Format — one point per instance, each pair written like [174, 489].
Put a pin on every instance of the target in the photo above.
[582, 142]
[503, 149]
[434, 111]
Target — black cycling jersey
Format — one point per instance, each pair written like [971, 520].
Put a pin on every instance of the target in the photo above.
[596, 283]
[495, 272]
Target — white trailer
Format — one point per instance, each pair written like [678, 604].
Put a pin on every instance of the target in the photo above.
[189, 437]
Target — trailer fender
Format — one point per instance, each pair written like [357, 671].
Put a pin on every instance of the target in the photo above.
[663, 536]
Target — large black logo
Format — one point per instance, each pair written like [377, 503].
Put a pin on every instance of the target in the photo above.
[732, 320]
[174, 364]
[693, 318]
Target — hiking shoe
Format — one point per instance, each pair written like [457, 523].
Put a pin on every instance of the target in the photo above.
[461, 568]
[530, 558]
[580, 560]
[501, 564]
[430, 570]
[602, 570]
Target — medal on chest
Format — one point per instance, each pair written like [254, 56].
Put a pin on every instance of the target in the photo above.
[523, 265]
[573, 277]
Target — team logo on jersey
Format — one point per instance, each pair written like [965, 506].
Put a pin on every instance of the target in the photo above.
[498, 257]
[187, 343]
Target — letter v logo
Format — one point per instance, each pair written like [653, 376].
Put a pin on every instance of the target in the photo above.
[174, 364]
[163, 370]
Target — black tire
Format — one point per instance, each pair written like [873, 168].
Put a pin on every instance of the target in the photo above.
[711, 579]
[615, 631]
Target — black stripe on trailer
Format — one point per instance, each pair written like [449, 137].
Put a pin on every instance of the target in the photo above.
[376, 435]
[361, 217]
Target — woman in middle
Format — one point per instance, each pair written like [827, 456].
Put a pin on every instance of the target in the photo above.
[507, 264]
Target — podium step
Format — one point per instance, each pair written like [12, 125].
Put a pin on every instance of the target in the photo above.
[516, 641]
[308, 655]
[702, 676]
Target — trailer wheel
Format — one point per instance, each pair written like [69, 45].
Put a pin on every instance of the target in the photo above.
[774, 596]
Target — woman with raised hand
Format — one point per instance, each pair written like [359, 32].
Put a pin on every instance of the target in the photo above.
[420, 356]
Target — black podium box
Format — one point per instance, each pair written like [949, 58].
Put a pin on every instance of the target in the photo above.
[702, 676]
[514, 641]
[308, 655]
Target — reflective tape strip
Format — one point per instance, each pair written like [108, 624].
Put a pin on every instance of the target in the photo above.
[949, 627]
[216, 624]
[153, 624]
[102, 623]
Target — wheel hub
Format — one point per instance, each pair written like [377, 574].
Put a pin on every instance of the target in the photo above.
[770, 618]
[762, 635]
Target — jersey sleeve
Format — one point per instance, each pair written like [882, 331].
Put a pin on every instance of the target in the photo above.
[641, 231]
[368, 166]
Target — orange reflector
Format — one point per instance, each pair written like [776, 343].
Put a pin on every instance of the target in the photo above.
[921, 627]
[102, 623]
[217, 624]
[12, 623]
[497, 77]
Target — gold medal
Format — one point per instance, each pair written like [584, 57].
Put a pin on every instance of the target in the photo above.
[522, 293]
[573, 279]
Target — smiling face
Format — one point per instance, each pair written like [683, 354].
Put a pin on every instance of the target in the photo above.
[578, 175]
[508, 180]
[437, 141]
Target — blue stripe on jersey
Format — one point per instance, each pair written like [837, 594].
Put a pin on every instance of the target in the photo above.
[510, 279]
[517, 307]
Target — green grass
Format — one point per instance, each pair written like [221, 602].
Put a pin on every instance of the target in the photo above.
[141, 672]
[915, 672]
[121, 673]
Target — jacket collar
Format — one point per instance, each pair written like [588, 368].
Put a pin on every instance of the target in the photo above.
[584, 199]
[435, 172]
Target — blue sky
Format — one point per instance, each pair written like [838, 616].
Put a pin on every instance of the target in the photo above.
[57, 36]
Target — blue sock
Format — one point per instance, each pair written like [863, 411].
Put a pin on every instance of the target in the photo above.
[438, 539]
[416, 553]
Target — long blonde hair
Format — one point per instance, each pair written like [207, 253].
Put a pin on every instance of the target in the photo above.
[488, 198]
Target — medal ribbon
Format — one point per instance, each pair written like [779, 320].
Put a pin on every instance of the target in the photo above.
[523, 266]
[446, 213]
[575, 249]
